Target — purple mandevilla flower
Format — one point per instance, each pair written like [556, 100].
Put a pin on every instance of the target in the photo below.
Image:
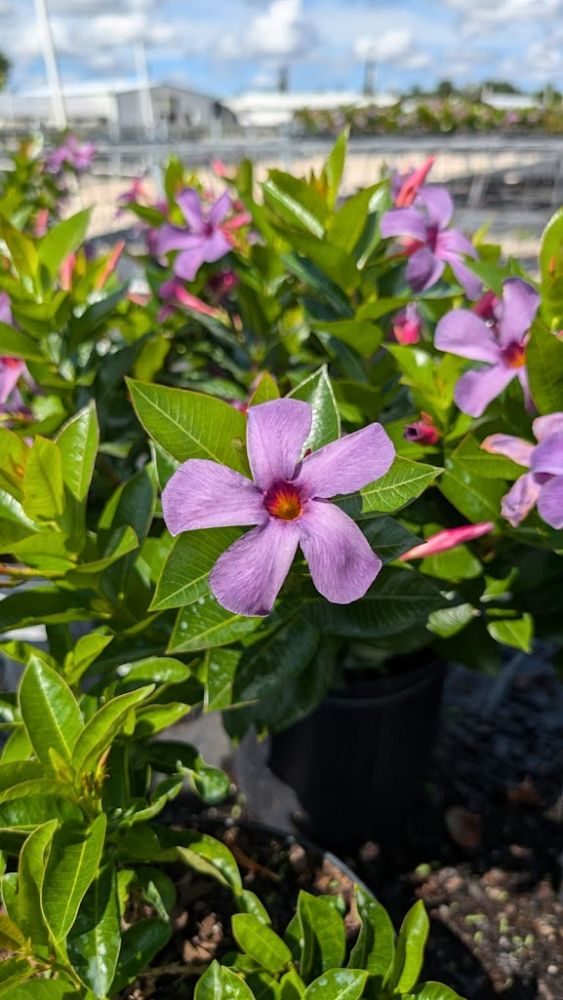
[501, 345]
[429, 244]
[203, 241]
[288, 501]
[542, 486]
[71, 154]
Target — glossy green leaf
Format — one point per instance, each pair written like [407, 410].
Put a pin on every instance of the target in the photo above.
[152, 670]
[209, 856]
[374, 949]
[174, 757]
[16, 344]
[205, 624]
[26, 908]
[435, 991]
[317, 391]
[265, 391]
[220, 983]
[388, 537]
[483, 463]
[221, 666]
[515, 632]
[50, 712]
[22, 250]
[476, 498]
[404, 482]
[186, 571]
[43, 989]
[11, 937]
[85, 651]
[337, 984]
[71, 868]
[190, 425]
[447, 622]
[94, 941]
[13, 971]
[62, 240]
[154, 718]
[272, 661]
[43, 484]
[398, 599]
[333, 168]
[140, 944]
[19, 610]
[101, 729]
[260, 942]
[409, 954]
[362, 336]
[551, 266]
[78, 444]
[323, 934]
[295, 202]
[545, 367]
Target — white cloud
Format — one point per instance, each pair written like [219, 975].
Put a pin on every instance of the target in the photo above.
[279, 32]
[478, 15]
[396, 47]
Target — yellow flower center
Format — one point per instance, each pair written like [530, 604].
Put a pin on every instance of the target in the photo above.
[283, 500]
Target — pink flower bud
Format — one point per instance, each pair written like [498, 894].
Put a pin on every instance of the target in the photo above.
[447, 539]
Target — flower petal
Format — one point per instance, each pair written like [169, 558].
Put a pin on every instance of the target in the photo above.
[5, 309]
[10, 371]
[544, 426]
[424, 269]
[174, 238]
[548, 456]
[190, 203]
[438, 204]
[476, 389]
[471, 284]
[517, 449]
[275, 437]
[247, 578]
[216, 246]
[550, 502]
[220, 209]
[341, 561]
[463, 333]
[348, 464]
[204, 494]
[519, 306]
[454, 242]
[403, 222]
[518, 502]
[188, 262]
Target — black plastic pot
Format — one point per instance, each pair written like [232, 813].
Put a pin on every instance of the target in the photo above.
[357, 764]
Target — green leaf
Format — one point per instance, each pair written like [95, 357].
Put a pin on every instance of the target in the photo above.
[270, 662]
[323, 935]
[191, 559]
[333, 168]
[352, 217]
[62, 240]
[173, 757]
[22, 250]
[26, 908]
[448, 622]
[152, 670]
[221, 666]
[362, 336]
[476, 498]
[190, 425]
[265, 391]
[331, 260]
[515, 632]
[13, 971]
[43, 484]
[205, 624]
[317, 391]
[482, 463]
[221, 983]
[19, 610]
[154, 718]
[94, 941]
[43, 989]
[11, 938]
[16, 344]
[101, 729]
[337, 984]
[409, 954]
[388, 538]
[375, 947]
[545, 367]
[94, 317]
[435, 991]
[402, 484]
[296, 203]
[139, 945]
[78, 444]
[209, 856]
[86, 650]
[551, 266]
[71, 869]
[260, 942]
[50, 712]
[398, 599]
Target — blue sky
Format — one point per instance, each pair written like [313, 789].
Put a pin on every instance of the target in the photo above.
[225, 46]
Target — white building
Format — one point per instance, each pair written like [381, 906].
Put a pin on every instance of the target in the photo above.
[121, 109]
[273, 109]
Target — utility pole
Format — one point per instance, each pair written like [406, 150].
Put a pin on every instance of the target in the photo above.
[369, 77]
[51, 65]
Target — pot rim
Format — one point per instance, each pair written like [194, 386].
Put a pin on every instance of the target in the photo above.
[416, 681]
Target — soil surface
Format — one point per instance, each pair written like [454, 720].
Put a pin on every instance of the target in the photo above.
[483, 849]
